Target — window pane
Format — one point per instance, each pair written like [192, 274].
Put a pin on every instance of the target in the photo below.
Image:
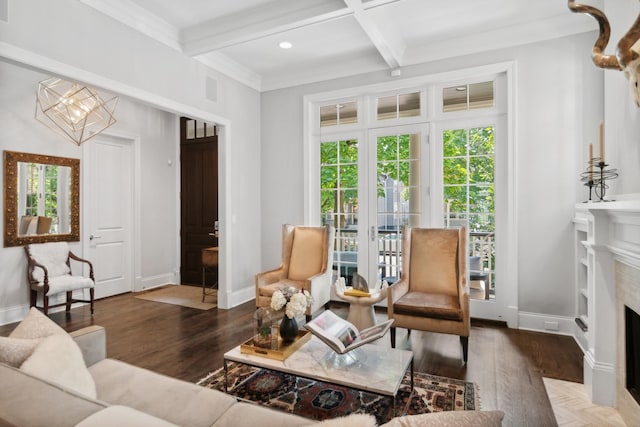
[387, 107]
[409, 104]
[481, 170]
[395, 106]
[454, 98]
[328, 115]
[481, 95]
[349, 177]
[348, 113]
[466, 97]
[191, 129]
[339, 114]
[329, 153]
[388, 148]
[455, 170]
[349, 151]
[481, 141]
[483, 199]
[454, 142]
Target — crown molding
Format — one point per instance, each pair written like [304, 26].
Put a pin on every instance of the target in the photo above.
[227, 66]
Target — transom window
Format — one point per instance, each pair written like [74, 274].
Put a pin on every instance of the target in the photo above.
[467, 97]
[399, 106]
[339, 114]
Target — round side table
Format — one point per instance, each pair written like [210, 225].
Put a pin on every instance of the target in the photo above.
[361, 312]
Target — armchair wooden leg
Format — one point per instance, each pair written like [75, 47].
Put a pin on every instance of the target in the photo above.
[465, 348]
[393, 337]
[69, 298]
[45, 304]
[91, 293]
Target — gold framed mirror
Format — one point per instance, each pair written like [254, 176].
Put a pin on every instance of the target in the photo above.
[41, 199]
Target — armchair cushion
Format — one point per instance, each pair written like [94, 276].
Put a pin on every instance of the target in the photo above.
[439, 306]
[53, 256]
[268, 290]
[68, 283]
[435, 252]
[307, 253]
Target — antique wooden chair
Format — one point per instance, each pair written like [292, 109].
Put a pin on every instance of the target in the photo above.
[49, 273]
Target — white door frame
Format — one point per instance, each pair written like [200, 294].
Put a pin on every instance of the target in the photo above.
[135, 178]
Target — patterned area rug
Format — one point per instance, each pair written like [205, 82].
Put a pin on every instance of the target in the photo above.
[318, 400]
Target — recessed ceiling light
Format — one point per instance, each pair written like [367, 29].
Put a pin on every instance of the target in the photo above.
[286, 45]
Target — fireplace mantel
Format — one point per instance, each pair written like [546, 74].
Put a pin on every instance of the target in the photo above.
[606, 233]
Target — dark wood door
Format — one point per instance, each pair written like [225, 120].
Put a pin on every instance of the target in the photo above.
[199, 204]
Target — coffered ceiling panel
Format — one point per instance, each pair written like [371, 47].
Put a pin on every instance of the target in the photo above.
[336, 38]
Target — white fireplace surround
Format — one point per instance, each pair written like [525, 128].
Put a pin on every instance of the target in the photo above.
[613, 255]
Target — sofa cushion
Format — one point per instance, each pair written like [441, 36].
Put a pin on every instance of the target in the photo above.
[58, 359]
[176, 401]
[36, 325]
[26, 400]
[253, 414]
[449, 419]
[14, 351]
[122, 416]
[25, 337]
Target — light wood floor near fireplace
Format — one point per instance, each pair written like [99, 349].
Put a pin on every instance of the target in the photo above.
[508, 365]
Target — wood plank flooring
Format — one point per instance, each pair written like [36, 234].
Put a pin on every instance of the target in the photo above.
[508, 365]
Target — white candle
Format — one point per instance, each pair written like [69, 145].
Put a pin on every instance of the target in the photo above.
[590, 162]
[601, 142]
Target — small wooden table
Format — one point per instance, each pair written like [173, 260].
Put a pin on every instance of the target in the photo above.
[209, 260]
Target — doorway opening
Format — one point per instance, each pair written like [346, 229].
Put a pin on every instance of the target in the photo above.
[198, 200]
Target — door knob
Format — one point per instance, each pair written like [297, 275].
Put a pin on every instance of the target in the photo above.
[94, 237]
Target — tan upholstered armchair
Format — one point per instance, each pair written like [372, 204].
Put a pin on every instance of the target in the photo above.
[307, 263]
[49, 273]
[432, 294]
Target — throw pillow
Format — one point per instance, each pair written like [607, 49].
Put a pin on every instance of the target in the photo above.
[36, 325]
[59, 359]
[14, 351]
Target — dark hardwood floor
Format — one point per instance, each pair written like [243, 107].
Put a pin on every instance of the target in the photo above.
[507, 364]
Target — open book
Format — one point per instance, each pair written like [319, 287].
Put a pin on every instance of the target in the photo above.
[342, 336]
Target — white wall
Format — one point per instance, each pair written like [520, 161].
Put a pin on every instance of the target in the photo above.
[558, 94]
[621, 115]
[75, 41]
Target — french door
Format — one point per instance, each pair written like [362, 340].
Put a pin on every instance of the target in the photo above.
[371, 186]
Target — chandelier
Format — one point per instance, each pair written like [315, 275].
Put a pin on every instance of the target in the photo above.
[72, 110]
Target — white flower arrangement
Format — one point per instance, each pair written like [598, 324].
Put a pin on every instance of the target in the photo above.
[294, 302]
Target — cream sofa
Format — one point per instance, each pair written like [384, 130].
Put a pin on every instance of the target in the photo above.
[50, 389]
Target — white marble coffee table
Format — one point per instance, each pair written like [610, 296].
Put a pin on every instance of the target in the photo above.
[370, 368]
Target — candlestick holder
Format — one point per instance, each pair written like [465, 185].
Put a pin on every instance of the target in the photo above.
[596, 176]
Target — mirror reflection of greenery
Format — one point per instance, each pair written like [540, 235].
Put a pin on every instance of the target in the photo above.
[50, 184]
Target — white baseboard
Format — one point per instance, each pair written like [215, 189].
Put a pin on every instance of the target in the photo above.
[547, 323]
[238, 297]
[13, 314]
[159, 280]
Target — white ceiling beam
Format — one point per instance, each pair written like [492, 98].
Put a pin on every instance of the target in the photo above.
[270, 19]
[388, 43]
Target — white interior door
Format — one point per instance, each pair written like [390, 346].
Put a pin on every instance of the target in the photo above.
[108, 200]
